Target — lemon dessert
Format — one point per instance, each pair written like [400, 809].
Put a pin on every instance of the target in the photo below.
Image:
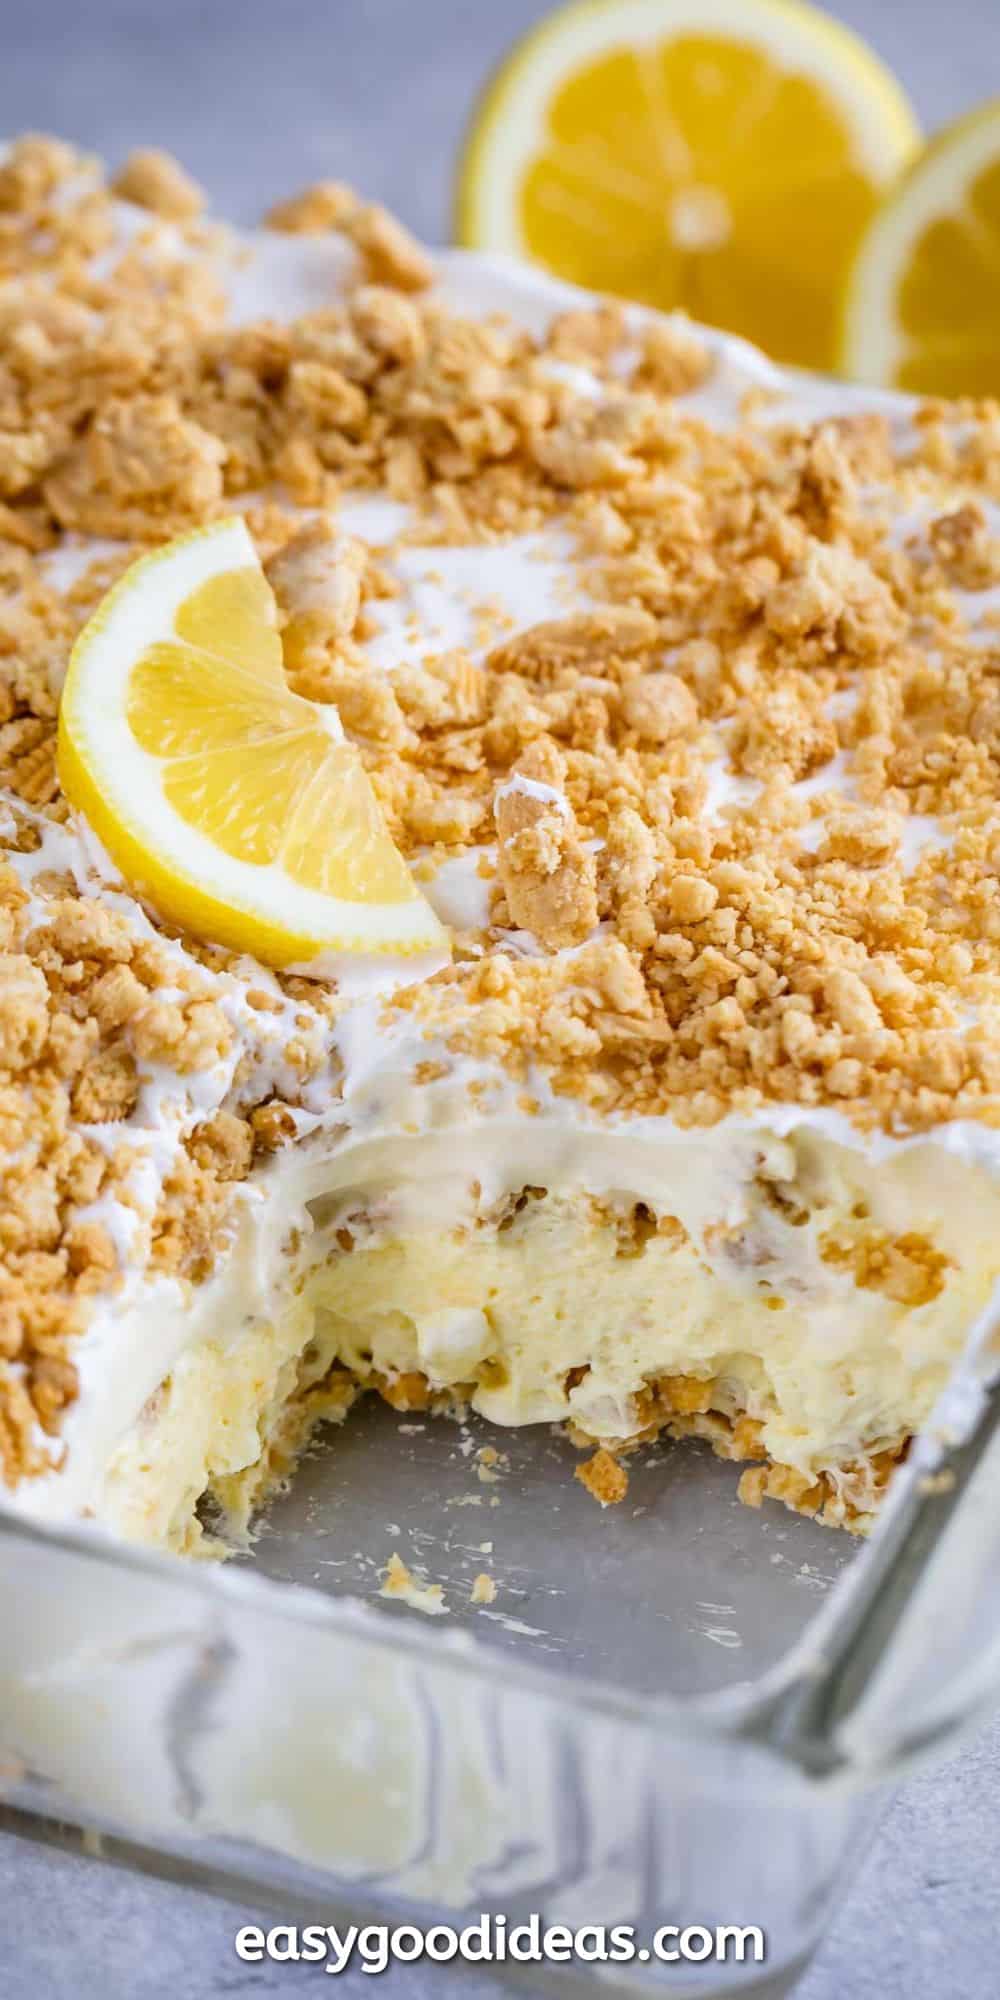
[499, 874]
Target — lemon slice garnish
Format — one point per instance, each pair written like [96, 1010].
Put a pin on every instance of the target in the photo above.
[234, 807]
[923, 304]
[723, 156]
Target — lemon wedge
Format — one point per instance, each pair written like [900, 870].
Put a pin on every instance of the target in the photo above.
[234, 807]
[720, 155]
[923, 303]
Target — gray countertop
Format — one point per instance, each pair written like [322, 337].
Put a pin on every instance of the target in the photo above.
[259, 98]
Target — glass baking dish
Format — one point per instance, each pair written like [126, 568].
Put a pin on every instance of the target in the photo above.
[674, 1711]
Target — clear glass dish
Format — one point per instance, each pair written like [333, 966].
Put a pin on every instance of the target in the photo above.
[676, 1711]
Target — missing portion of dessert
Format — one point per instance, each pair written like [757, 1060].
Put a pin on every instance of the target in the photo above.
[675, 684]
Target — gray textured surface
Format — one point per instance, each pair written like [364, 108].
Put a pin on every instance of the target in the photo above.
[258, 98]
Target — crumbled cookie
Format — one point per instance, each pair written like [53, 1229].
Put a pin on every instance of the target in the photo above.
[317, 577]
[604, 1477]
[390, 254]
[549, 879]
[155, 180]
[324, 206]
[968, 552]
[143, 469]
[659, 706]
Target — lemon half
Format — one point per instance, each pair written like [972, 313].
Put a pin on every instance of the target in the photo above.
[234, 807]
[720, 155]
[923, 303]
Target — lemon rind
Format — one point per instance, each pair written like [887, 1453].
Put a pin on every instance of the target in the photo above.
[199, 888]
[871, 346]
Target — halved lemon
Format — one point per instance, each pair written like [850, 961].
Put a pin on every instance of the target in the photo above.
[923, 303]
[234, 807]
[720, 155]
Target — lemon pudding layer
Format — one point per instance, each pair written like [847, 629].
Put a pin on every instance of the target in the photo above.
[652, 696]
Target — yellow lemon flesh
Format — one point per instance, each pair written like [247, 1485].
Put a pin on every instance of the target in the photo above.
[723, 156]
[237, 809]
[923, 303]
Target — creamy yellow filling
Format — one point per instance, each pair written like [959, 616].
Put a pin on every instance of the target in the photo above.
[828, 1307]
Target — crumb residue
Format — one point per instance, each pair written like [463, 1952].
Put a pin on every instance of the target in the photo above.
[489, 1464]
[400, 1582]
[604, 1478]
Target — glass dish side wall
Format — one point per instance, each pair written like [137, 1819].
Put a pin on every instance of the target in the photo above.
[318, 1757]
[324, 1757]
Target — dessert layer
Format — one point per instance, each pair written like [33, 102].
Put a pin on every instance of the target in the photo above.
[789, 1298]
[676, 680]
